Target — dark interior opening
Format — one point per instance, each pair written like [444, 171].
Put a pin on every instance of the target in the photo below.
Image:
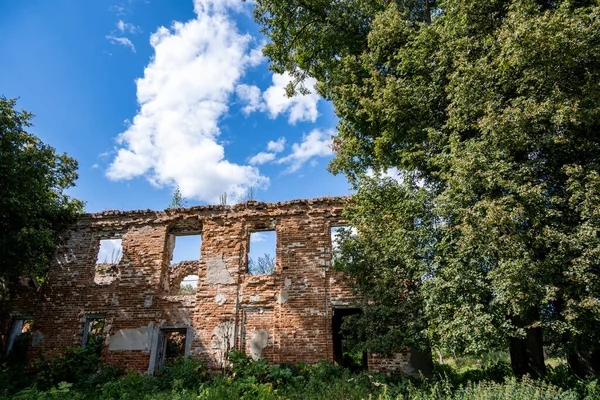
[342, 354]
[171, 346]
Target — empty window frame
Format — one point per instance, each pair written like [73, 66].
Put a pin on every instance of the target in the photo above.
[188, 285]
[110, 252]
[186, 248]
[261, 254]
[109, 257]
[185, 252]
[19, 334]
[338, 233]
[93, 329]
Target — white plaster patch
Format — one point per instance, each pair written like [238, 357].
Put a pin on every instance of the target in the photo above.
[254, 298]
[283, 296]
[287, 282]
[259, 341]
[129, 339]
[221, 341]
[148, 301]
[220, 299]
[217, 273]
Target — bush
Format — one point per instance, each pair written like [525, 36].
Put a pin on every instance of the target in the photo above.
[188, 379]
[76, 365]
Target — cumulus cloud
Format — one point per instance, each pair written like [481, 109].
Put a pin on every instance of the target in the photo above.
[276, 146]
[123, 41]
[274, 100]
[261, 158]
[250, 95]
[255, 57]
[316, 144]
[273, 147]
[173, 139]
[300, 107]
[257, 237]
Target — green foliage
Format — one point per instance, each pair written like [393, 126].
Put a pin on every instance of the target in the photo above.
[386, 262]
[14, 373]
[187, 289]
[246, 379]
[178, 200]
[490, 111]
[262, 265]
[33, 205]
[74, 365]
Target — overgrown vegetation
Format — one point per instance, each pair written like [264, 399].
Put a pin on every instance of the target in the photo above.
[79, 374]
[34, 206]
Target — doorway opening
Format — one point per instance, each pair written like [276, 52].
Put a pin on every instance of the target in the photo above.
[172, 344]
[342, 354]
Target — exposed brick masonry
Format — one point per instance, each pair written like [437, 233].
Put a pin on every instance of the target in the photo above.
[230, 309]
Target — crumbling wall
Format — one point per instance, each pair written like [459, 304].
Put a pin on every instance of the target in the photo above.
[285, 316]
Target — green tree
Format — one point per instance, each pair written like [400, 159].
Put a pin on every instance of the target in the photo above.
[262, 265]
[33, 205]
[178, 200]
[386, 262]
[493, 108]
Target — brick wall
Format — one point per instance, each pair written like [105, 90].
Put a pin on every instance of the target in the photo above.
[291, 308]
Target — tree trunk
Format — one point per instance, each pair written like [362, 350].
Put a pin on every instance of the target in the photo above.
[527, 354]
[584, 363]
[427, 12]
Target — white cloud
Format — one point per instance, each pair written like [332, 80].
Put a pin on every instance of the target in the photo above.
[125, 27]
[255, 57]
[275, 101]
[273, 147]
[123, 41]
[184, 92]
[300, 107]
[250, 95]
[257, 237]
[261, 158]
[316, 144]
[276, 146]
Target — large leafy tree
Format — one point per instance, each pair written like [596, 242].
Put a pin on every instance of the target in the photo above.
[33, 205]
[493, 108]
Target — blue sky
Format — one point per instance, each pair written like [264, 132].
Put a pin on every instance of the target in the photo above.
[150, 95]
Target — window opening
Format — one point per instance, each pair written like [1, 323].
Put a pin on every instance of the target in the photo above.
[189, 284]
[18, 341]
[342, 353]
[93, 330]
[107, 262]
[187, 248]
[337, 235]
[261, 255]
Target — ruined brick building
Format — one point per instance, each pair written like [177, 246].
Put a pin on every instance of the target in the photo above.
[135, 306]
